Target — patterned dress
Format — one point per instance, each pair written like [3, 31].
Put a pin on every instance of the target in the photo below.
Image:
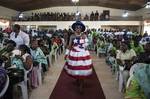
[3, 77]
[79, 63]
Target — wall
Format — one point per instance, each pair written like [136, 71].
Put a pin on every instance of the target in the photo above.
[83, 9]
[89, 24]
[146, 16]
[146, 26]
[7, 13]
[143, 12]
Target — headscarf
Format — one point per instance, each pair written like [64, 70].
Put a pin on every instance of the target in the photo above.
[142, 75]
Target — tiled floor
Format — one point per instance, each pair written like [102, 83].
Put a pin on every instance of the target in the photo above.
[108, 82]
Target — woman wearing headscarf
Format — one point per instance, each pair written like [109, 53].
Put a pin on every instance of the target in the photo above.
[138, 86]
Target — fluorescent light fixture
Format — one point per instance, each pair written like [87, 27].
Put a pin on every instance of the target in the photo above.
[78, 13]
[75, 1]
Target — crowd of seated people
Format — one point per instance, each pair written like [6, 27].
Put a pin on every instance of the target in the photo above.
[47, 16]
[128, 56]
[27, 64]
[123, 50]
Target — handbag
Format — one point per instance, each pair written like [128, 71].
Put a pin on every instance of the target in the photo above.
[16, 75]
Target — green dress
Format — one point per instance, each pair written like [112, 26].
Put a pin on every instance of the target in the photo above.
[139, 49]
[134, 91]
[139, 86]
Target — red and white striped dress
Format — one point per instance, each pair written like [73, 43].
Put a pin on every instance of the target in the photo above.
[79, 63]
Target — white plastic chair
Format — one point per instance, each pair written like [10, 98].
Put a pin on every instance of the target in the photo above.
[5, 88]
[23, 84]
[54, 53]
[49, 59]
[121, 68]
[121, 78]
[40, 74]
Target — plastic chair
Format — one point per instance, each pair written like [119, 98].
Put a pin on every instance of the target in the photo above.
[101, 51]
[49, 60]
[23, 84]
[121, 68]
[40, 74]
[5, 88]
[54, 53]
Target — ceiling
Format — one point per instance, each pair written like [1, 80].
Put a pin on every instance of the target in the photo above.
[24, 5]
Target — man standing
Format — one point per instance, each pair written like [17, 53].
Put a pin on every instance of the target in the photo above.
[19, 36]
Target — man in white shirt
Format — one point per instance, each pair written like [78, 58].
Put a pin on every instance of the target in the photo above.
[19, 36]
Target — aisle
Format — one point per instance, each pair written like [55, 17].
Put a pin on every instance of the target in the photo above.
[67, 89]
[107, 81]
[44, 91]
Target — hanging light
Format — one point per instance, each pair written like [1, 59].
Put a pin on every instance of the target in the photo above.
[125, 14]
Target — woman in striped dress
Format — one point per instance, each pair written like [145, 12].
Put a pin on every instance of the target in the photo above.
[78, 61]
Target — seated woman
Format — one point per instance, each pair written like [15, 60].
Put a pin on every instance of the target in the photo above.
[137, 47]
[38, 55]
[110, 55]
[125, 58]
[42, 46]
[6, 52]
[59, 42]
[26, 57]
[138, 86]
[101, 49]
[54, 46]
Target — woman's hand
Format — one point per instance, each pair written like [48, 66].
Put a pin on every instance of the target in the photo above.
[120, 62]
[66, 57]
